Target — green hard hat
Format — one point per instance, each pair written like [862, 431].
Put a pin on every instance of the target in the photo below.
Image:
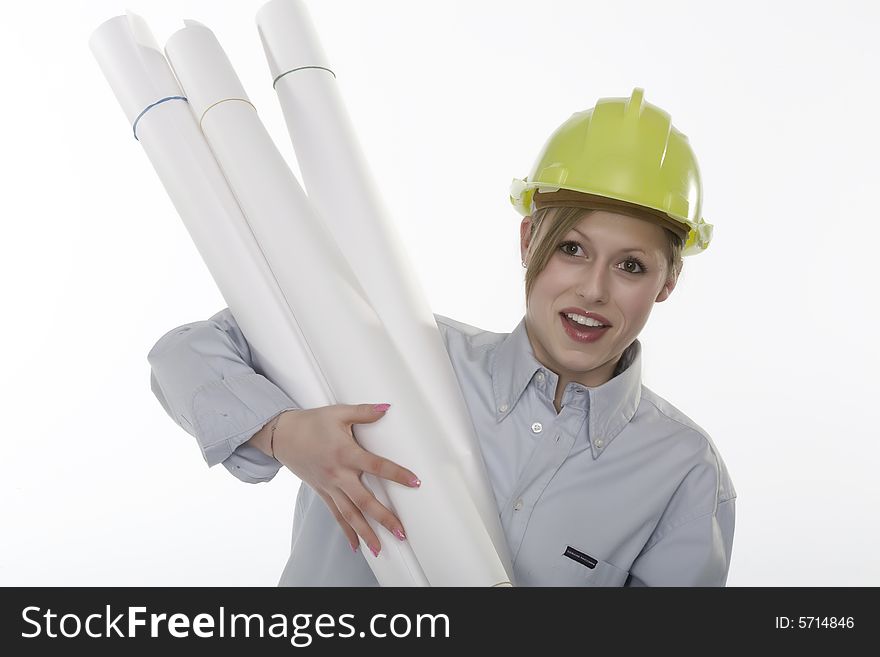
[623, 149]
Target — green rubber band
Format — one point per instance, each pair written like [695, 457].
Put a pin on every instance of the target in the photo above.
[299, 68]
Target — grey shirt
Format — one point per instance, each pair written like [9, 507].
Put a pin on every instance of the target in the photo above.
[618, 489]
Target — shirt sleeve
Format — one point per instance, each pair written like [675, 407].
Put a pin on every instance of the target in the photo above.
[695, 552]
[204, 378]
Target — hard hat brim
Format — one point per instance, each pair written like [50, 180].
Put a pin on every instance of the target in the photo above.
[570, 198]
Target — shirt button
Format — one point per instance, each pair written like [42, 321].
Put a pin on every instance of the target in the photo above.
[598, 442]
[537, 428]
[503, 407]
[540, 376]
[518, 505]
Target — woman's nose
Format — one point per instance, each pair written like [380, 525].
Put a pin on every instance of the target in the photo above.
[593, 286]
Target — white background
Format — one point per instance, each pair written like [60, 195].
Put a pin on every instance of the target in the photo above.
[766, 342]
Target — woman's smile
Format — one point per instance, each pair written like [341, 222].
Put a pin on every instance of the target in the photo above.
[582, 333]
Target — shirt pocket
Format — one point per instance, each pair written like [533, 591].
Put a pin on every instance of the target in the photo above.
[576, 566]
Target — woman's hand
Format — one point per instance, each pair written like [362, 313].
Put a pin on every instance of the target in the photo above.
[318, 446]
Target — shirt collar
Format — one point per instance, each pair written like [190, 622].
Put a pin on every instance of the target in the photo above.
[610, 406]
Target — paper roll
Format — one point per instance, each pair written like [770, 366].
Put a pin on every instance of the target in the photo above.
[330, 159]
[353, 361]
[277, 211]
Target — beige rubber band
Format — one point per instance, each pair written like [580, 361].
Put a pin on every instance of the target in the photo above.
[244, 100]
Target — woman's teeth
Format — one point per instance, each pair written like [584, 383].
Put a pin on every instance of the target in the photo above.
[586, 321]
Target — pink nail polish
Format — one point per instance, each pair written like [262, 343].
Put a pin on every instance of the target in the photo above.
[415, 481]
[354, 549]
[374, 551]
[381, 408]
[399, 534]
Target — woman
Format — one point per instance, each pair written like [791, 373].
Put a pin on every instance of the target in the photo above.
[599, 481]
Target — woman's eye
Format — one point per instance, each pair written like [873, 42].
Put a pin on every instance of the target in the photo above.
[566, 248]
[633, 266]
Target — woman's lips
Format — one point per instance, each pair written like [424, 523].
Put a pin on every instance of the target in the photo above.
[580, 333]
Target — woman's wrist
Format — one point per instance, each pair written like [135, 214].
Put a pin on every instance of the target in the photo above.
[263, 440]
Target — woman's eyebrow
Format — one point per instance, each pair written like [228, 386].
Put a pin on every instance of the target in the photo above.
[627, 250]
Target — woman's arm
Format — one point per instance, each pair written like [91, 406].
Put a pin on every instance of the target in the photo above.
[203, 375]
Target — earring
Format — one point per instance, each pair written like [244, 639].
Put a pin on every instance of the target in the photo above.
[524, 264]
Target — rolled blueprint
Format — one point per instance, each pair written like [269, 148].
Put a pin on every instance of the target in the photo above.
[349, 340]
[155, 105]
[276, 209]
[330, 159]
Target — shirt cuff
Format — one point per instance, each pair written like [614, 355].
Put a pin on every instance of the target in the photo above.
[228, 412]
[251, 465]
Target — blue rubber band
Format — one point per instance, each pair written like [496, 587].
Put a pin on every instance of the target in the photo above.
[148, 108]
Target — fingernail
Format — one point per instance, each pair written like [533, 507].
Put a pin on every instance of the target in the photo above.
[415, 481]
[381, 408]
[354, 549]
[399, 534]
[374, 551]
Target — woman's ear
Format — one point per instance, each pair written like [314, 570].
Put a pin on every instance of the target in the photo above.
[668, 287]
[525, 232]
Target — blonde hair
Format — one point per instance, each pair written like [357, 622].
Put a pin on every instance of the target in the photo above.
[563, 219]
